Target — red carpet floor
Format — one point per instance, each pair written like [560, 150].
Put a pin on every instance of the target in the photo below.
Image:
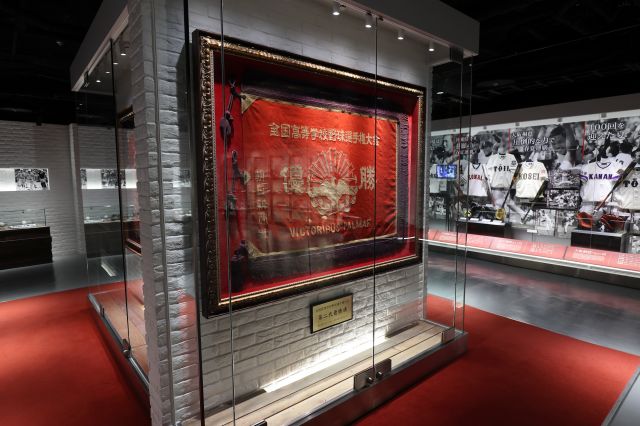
[55, 368]
[514, 374]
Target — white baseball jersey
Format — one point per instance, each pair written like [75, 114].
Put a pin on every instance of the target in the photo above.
[627, 194]
[530, 178]
[598, 180]
[477, 177]
[500, 169]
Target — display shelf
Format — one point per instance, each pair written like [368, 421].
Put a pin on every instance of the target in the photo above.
[492, 228]
[613, 241]
[22, 218]
[108, 213]
[296, 400]
[545, 254]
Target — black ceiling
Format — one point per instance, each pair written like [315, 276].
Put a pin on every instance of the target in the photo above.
[532, 52]
[538, 52]
[38, 41]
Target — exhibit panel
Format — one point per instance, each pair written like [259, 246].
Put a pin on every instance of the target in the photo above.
[573, 201]
[311, 182]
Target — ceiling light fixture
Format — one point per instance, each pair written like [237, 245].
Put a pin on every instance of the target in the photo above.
[440, 92]
[98, 80]
[368, 20]
[115, 62]
[336, 8]
[123, 46]
[401, 34]
[431, 47]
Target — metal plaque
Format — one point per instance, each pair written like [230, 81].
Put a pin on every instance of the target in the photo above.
[332, 312]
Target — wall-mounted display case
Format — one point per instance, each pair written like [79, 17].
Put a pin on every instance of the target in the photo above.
[563, 192]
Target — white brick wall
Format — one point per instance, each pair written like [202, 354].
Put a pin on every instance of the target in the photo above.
[47, 146]
[97, 150]
[271, 341]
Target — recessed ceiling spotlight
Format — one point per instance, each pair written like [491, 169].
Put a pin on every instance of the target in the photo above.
[368, 20]
[440, 92]
[431, 47]
[336, 9]
[107, 72]
[115, 62]
[98, 80]
[401, 34]
[123, 46]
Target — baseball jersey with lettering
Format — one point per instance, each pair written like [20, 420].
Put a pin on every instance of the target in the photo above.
[598, 180]
[532, 175]
[500, 169]
[477, 177]
[627, 194]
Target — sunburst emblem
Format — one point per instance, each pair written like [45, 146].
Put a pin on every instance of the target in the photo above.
[332, 183]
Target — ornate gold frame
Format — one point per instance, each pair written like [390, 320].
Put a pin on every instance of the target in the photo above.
[205, 45]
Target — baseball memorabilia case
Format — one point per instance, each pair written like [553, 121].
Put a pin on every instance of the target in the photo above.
[308, 173]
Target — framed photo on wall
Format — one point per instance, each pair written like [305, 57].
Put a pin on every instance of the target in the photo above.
[308, 174]
[32, 179]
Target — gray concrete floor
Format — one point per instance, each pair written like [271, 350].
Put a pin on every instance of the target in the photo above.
[598, 313]
[65, 273]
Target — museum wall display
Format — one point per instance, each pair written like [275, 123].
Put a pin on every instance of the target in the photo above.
[560, 189]
[35, 174]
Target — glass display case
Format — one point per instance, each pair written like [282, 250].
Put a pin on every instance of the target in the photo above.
[109, 213]
[108, 180]
[552, 192]
[22, 218]
[311, 171]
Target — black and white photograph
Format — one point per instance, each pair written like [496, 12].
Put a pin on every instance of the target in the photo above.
[566, 221]
[564, 199]
[487, 143]
[545, 222]
[83, 178]
[614, 139]
[32, 179]
[109, 178]
[437, 206]
[442, 149]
